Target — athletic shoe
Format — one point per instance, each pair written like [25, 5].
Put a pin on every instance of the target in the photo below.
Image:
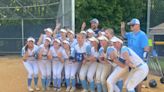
[48, 88]
[68, 89]
[84, 90]
[73, 89]
[37, 88]
[43, 89]
[55, 89]
[58, 90]
[30, 89]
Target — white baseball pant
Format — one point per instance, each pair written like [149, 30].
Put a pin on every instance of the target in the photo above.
[32, 68]
[136, 76]
[114, 77]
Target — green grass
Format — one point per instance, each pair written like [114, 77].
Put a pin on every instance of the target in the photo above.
[160, 60]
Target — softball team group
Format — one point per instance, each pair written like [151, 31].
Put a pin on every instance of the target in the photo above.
[100, 59]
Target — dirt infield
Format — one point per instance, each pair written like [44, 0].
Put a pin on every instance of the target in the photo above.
[13, 76]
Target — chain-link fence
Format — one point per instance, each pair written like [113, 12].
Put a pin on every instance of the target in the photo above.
[22, 19]
[156, 21]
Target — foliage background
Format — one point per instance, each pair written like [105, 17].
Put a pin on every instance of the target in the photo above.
[110, 12]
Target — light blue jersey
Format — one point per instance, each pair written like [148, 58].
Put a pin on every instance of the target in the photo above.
[134, 58]
[32, 53]
[54, 52]
[137, 41]
[81, 51]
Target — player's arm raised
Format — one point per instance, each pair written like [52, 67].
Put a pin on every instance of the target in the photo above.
[123, 29]
[40, 40]
[59, 55]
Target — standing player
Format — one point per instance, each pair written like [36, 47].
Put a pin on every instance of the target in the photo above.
[42, 38]
[44, 63]
[138, 45]
[104, 68]
[89, 65]
[80, 51]
[29, 51]
[93, 58]
[70, 66]
[56, 55]
[139, 69]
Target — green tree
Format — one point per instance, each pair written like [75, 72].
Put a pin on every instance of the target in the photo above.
[110, 12]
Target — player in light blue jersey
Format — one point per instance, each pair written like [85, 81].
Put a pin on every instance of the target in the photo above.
[29, 53]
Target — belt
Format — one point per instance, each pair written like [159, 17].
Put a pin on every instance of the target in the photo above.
[31, 56]
[66, 59]
[44, 55]
[139, 65]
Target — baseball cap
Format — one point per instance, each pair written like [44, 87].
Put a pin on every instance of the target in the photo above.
[90, 31]
[49, 39]
[63, 30]
[116, 39]
[57, 40]
[102, 38]
[70, 31]
[103, 33]
[31, 39]
[48, 30]
[93, 39]
[134, 21]
[95, 20]
[65, 41]
[83, 32]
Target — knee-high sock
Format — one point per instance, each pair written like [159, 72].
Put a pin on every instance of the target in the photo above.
[47, 82]
[55, 83]
[99, 87]
[29, 80]
[36, 81]
[120, 84]
[92, 86]
[84, 84]
[73, 82]
[58, 83]
[44, 83]
[67, 82]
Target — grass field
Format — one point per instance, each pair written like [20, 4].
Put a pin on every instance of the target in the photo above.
[152, 64]
[13, 77]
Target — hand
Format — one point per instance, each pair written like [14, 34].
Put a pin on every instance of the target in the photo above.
[83, 26]
[84, 62]
[40, 54]
[92, 59]
[59, 55]
[102, 58]
[57, 25]
[41, 50]
[113, 55]
[122, 24]
[26, 54]
[49, 55]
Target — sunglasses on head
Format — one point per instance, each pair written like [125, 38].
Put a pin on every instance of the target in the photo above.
[132, 25]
